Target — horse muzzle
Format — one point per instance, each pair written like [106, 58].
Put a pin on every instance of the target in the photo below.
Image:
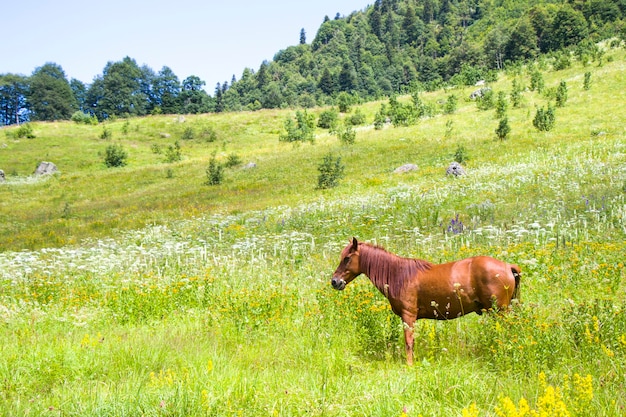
[338, 283]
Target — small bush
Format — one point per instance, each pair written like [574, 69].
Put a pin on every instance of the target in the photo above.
[209, 134]
[485, 101]
[347, 135]
[563, 61]
[587, 81]
[299, 130]
[401, 114]
[344, 101]
[188, 133]
[516, 93]
[232, 161]
[125, 127]
[449, 129]
[561, 94]
[460, 155]
[115, 156]
[106, 133]
[331, 171]
[451, 104]
[357, 118]
[25, 131]
[544, 118]
[501, 105]
[214, 172]
[173, 153]
[328, 119]
[503, 129]
[381, 117]
[84, 118]
[536, 81]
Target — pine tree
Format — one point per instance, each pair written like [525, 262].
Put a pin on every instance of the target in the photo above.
[302, 37]
[503, 129]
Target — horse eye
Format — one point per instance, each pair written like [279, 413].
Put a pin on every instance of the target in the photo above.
[346, 259]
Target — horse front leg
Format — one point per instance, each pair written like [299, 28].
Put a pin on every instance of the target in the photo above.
[409, 326]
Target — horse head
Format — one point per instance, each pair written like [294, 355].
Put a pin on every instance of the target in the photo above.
[348, 268]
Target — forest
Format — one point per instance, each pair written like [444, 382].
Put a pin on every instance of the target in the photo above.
[391, 47]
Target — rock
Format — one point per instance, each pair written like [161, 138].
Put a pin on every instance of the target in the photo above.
[165, 135]
[45, 168]
[479, 83]
[479, 93]
[2, 176]
[455, 169]
[405, 168]
[249, 165]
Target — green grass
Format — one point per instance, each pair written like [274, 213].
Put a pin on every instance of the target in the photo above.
[135, 291]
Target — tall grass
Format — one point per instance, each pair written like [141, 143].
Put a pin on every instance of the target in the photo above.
[220, 304]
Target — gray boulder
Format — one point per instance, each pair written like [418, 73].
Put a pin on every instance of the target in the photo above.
[46, 168]
[479, 93]
[2, 176]
[405, 168]
[250, 165]
[455, 169]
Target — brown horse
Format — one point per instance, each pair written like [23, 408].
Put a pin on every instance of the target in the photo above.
[418, 289]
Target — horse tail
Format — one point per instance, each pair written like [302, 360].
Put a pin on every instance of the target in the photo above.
[517, 274]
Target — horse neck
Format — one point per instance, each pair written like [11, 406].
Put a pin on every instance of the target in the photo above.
[388, 272]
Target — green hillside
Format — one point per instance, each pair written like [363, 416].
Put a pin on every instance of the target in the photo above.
[142, 290]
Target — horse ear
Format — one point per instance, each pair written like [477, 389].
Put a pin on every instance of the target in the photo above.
[355, 244]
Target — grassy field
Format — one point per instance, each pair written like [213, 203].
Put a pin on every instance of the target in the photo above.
[141, 291]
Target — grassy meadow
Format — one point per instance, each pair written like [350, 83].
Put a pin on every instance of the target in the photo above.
[142, 291]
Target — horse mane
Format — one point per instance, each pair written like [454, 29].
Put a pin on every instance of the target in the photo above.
[387, 271]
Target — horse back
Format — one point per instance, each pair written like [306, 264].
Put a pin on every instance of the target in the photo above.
[465, 286]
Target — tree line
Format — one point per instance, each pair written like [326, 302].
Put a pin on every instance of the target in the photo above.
[389, 48]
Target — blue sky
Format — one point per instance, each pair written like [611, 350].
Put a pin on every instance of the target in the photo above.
[211, 39]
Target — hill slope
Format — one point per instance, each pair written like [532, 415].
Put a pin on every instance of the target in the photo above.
[222, 305]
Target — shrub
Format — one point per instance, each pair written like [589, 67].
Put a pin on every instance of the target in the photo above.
[299, 130]
[344, 101]
[347, 135]
[485, 101]
[233, 160]
[460, 155]
[188, 133]
[125, 127]
[451, 104]
[328, 119]
[173, 153]
[516, 93]
[544, 118]
[381, 117]
[503, 129]
[536, 81]
[25, 131]
[214, 172]
[561, 94]
[449, 129]
[331, 171]
[401, 114]
[106, 133]
[209, 134]
[501, 105]
[115, 156]
[357, 118]
[562, 61]
[84, 118]
[587, 82]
